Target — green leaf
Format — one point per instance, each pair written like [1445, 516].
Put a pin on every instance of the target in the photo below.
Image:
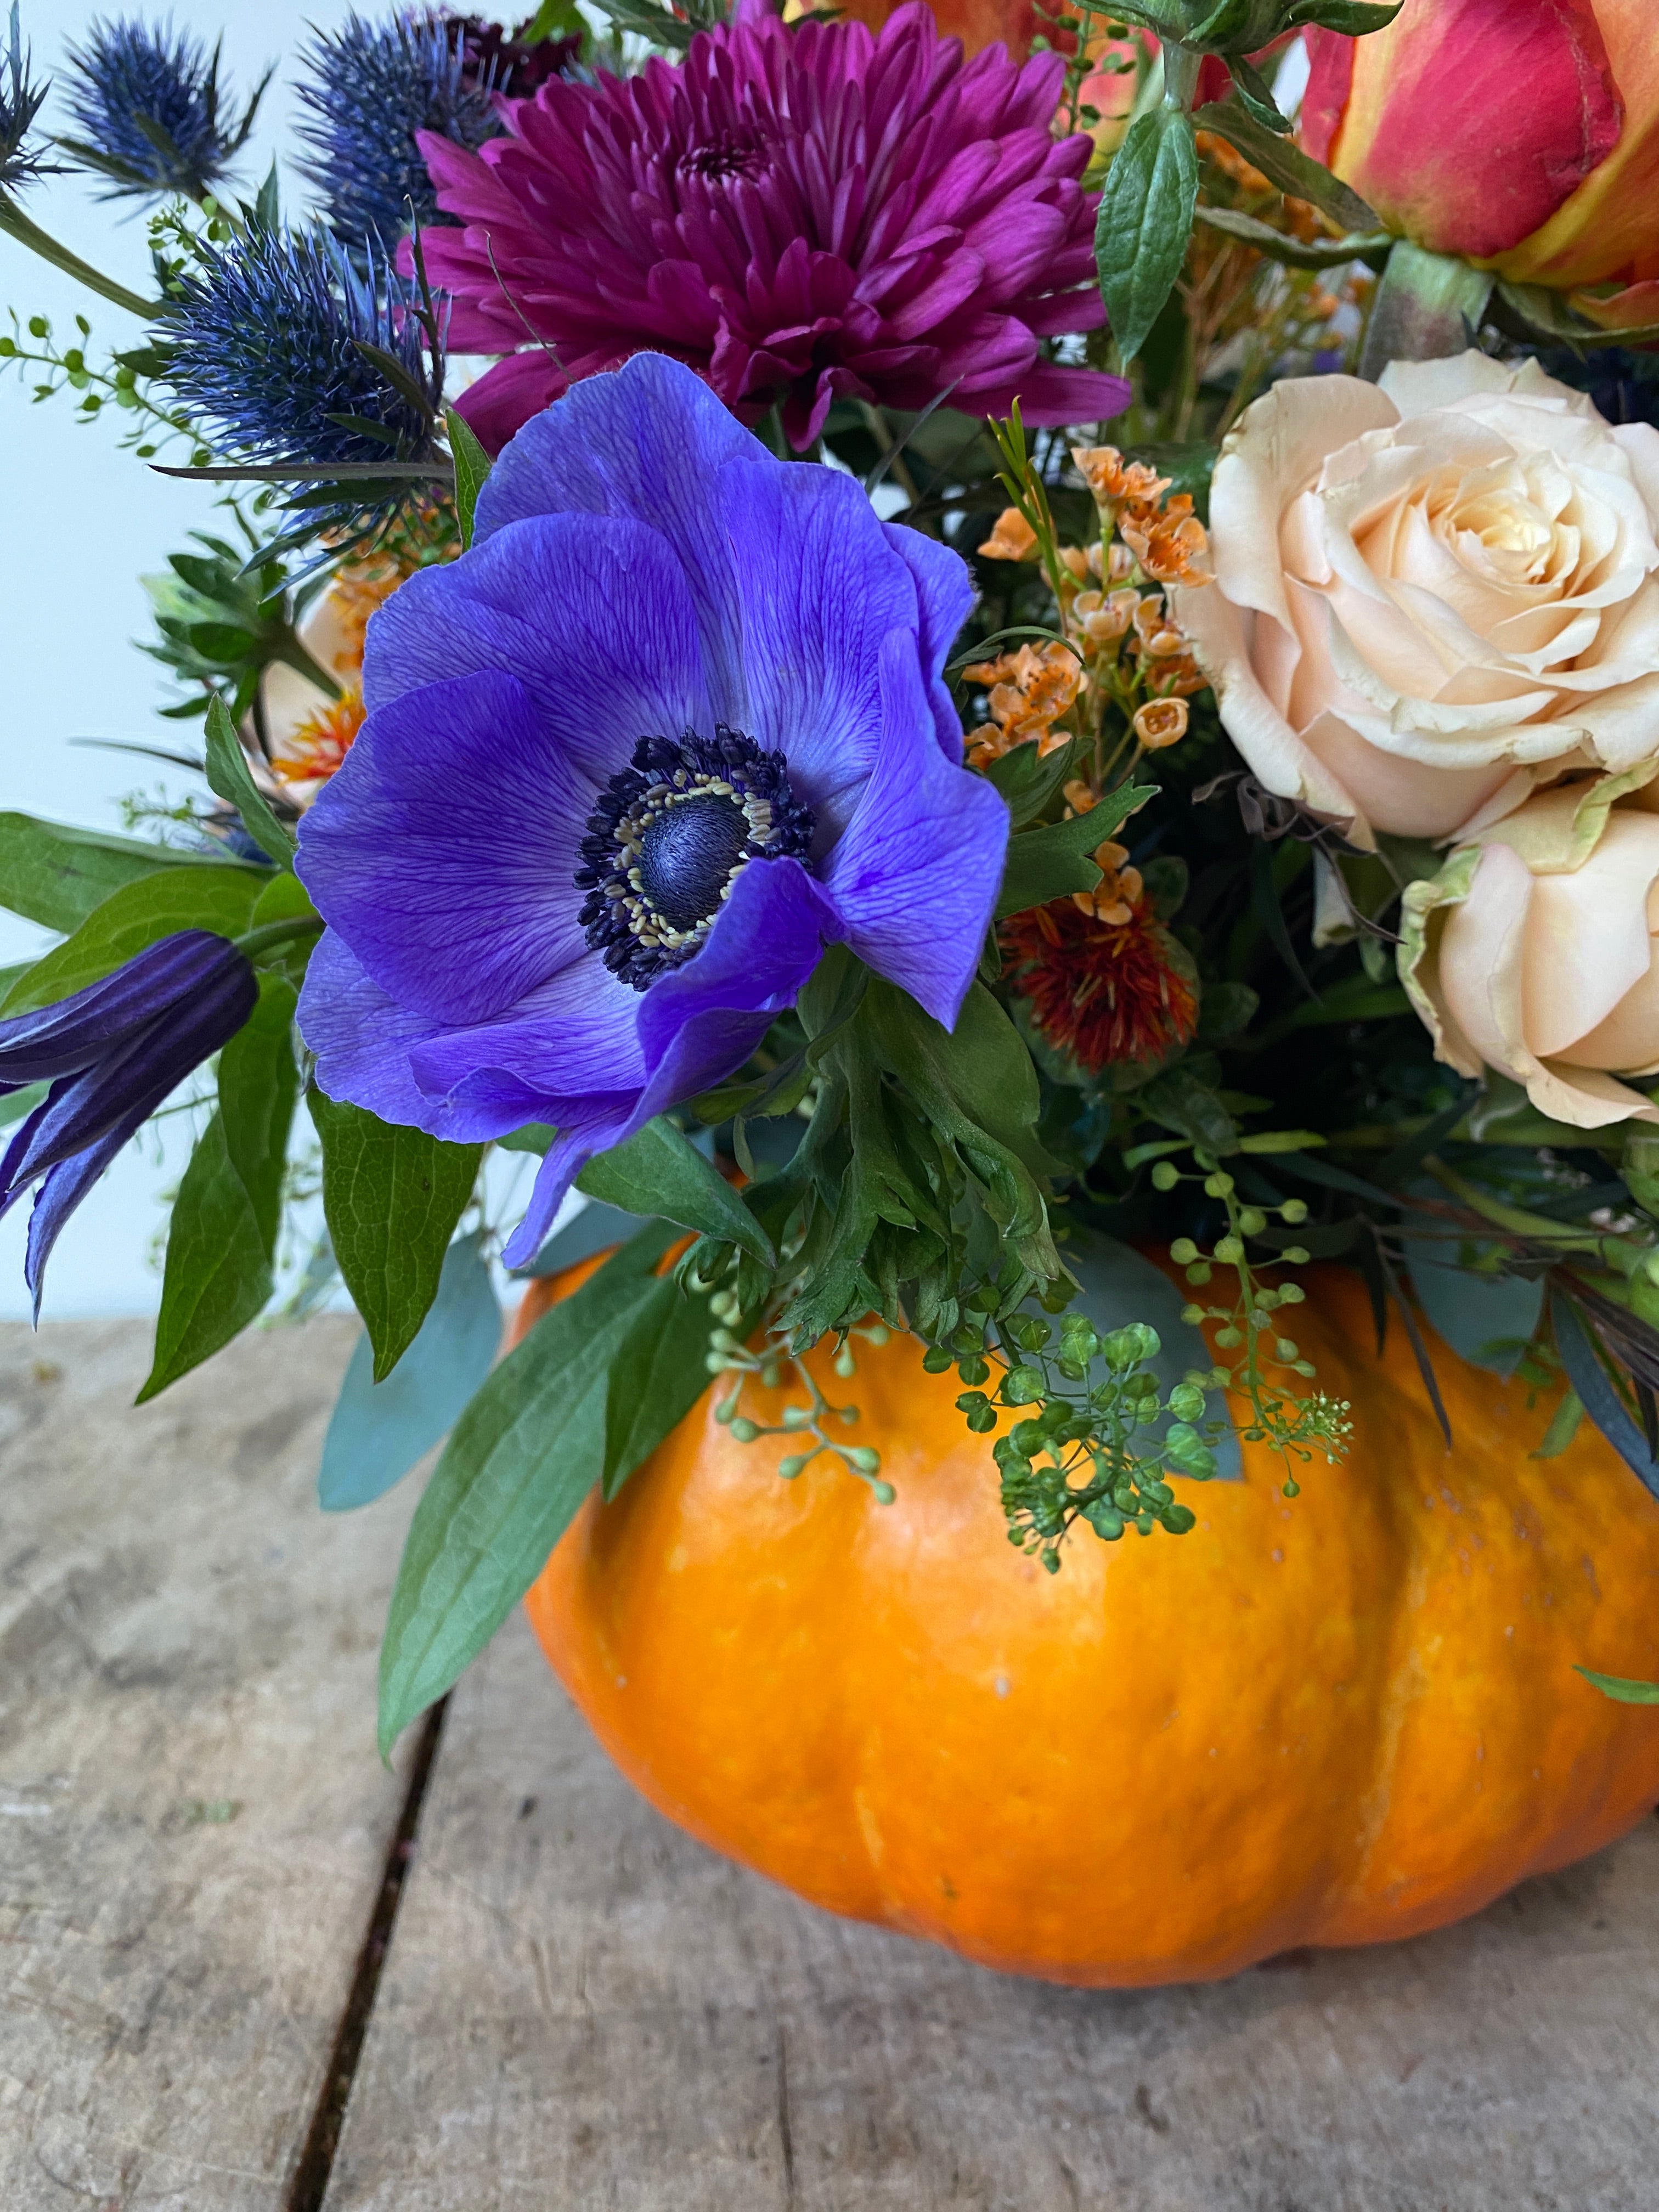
[16, 1104]
[1284, 163]
[222, 1238]
[1051, 862]
[391, 1197]
[1356, 19]
[228, 773]
[1370, 246]
[655, 1375]
[1145, 221]
[57, 875]
[534, 1137]
[1180, 1100]
[1620, 1687]
[1029, 779]
[220, 899]
[472, 465]
[661, 1171]
[1280, 1141]
[518, 1462]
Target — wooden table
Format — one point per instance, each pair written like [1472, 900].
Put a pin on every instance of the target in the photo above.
[577, 2007]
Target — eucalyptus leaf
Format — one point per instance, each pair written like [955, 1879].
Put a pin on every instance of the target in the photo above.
[520, 1460]
[660, 1171]
[1049, 863]
[391, 1197]
[222, 1240]
[229, 775]
[1144, 222]
[56, 875]
[220, 899]
[378, 1430]
[1485, 1318]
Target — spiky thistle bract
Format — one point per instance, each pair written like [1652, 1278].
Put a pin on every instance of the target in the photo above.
[149, 112]
[20, 103]
[370, 87]
[290, 353]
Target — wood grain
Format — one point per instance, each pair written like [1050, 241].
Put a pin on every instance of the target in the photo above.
[193, 1822]
[584, 2008]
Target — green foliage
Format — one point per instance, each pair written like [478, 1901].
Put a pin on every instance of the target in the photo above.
[553, 1419]
[391, 1197]
[222, 1241]
[1621, 1688]
[56, 875]
[1145, 219]
[660, 1171]
[1284, 163]
[220, 898]
[472, 465]
[228, 773]
[1052, 861]
[223, 619]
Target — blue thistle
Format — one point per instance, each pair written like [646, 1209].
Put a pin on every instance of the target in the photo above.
[287, 352]
[373, 87]
[20, 103]
[146, 105]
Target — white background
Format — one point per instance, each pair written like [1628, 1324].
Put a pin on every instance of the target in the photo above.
[81, 522]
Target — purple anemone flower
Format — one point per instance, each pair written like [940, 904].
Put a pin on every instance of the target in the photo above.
[674, 724]
[797, 212]
[111, 1053]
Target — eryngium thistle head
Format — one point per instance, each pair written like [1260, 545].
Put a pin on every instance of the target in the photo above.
[796, 211]
[371, 87]
[20, 103]
[283, 348]
[146, 105]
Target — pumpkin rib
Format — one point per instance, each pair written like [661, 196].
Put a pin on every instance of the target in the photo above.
[1302, 1722]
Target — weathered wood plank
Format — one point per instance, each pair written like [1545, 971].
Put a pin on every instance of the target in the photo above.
[193, 1822]
[583, 2008]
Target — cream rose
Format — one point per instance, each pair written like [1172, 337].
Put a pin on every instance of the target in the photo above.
[1431, 593]
[1536, 951]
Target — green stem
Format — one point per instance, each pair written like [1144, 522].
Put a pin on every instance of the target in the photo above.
[16, 224]
[278, 933]
[1617, 1253]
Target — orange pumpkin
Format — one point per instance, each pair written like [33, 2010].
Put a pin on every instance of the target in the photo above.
[1341, 1719]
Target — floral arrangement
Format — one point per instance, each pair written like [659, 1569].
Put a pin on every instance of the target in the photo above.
[921, 650]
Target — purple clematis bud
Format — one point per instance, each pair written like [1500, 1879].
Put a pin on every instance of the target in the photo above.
[111, 1053]
[676, 722]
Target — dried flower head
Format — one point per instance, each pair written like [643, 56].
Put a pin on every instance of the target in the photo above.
[1011, 538]
[1103, 982]
[146, 106]
[1030, 690]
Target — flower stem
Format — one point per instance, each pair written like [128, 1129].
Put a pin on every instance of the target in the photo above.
[16, 224]
[278, 933]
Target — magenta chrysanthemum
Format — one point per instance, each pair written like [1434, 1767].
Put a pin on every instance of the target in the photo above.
[797, 213]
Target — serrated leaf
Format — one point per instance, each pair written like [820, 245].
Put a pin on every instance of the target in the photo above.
[660, 1171]
[1144, 222]
[223, 1237]
[229, 775]
[521, 1459]
[1053, 861]
[1284, 163]
[472, 465]
[378, 1430]
[1619, 1687]
[218, 898]
[56, 875]
[391, 1197]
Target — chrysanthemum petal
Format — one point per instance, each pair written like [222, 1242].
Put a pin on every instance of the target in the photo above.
[916, 877]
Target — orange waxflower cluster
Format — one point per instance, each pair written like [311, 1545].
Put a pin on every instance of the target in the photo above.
[1030, 690]
[1165, 537]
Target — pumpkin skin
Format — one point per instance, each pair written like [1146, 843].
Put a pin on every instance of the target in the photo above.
[1341, 1719]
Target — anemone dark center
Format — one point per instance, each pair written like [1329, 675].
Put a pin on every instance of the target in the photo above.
[671, 835]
